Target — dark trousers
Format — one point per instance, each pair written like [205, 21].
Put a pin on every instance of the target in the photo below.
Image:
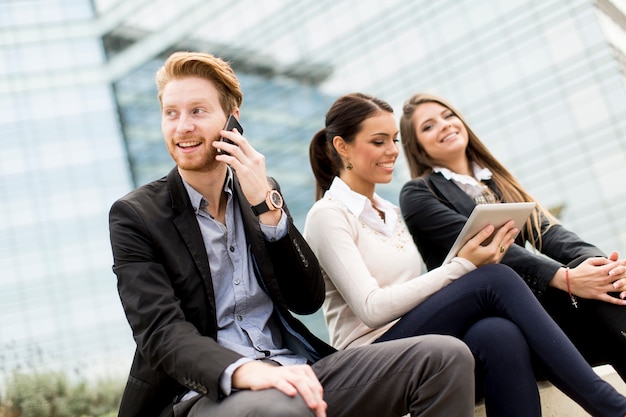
[597, 328]
[507, 329]
[426, 376]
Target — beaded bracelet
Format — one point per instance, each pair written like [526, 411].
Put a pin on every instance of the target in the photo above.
[569, 290]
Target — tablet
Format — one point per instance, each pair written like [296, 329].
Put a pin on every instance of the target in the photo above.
[484, 214]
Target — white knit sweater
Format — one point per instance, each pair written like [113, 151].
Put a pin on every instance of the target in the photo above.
[373, 275]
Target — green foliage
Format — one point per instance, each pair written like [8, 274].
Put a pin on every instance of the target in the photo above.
[50, 394]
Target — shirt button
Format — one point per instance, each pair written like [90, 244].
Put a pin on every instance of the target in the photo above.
[239, 317]
[237, 282]
[232, 248]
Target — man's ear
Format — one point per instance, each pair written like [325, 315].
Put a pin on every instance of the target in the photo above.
[340, 146]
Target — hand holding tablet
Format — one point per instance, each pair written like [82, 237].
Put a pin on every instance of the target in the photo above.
[495, 214]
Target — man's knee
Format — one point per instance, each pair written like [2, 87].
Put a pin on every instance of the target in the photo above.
[447, 349]
[440, 354]
[458, 355]
[263, 403]
[283, 406]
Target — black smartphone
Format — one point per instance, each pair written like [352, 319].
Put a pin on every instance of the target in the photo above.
[231, 123]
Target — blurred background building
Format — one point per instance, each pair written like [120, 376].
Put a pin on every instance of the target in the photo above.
[540, 81]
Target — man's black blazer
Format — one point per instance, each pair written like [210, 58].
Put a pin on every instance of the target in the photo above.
[435, 210]
[165, 287]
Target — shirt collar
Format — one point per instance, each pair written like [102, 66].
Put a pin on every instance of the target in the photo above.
[480, 174]
[198, 201]
[361, 207]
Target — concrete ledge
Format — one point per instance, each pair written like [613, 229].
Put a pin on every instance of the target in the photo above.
[556, 404]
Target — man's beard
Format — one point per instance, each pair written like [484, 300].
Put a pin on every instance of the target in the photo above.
[207, 164]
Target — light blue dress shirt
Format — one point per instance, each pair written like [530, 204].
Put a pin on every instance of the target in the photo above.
[246, 321]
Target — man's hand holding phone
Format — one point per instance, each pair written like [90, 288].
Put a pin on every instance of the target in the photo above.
[250, 167]
[231, 123]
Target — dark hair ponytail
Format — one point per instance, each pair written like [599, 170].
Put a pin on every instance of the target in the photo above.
[324, 162]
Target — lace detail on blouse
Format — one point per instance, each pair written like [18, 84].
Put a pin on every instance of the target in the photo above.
[486, 197]
[400, 238]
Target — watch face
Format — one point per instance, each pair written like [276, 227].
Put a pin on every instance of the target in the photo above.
[276, 199]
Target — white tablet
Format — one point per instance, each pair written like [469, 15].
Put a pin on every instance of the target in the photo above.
[483, 214]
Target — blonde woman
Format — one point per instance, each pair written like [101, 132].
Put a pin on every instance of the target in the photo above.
[581, 288]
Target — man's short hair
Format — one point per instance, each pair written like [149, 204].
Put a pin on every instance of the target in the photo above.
[207, 66]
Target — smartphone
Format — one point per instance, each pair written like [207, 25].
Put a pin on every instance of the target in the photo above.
[231, 123]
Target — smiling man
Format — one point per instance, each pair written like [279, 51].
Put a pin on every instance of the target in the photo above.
[210, 266]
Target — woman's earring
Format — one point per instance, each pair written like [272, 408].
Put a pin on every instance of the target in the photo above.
[349, 166]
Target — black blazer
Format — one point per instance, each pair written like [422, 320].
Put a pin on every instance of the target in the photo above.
[165, 286]
[435, 210]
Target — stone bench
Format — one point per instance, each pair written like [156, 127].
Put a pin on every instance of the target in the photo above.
[556, 404]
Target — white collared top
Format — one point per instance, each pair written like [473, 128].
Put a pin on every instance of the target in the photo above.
[471, 185]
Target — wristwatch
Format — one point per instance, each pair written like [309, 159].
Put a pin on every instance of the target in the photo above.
[273, 201]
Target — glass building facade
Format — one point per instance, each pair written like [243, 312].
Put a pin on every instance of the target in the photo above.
[541, 82]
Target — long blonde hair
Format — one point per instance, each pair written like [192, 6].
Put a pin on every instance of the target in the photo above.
[421, 164]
